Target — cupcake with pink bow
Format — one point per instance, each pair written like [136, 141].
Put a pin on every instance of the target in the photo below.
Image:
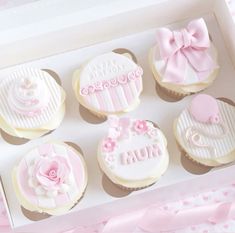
[32, 103]
[205, 130]
[184, 61]
[133, 153]
[50, 179]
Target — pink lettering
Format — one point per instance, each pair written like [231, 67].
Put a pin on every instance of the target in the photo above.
[148, 152]
[128, 157]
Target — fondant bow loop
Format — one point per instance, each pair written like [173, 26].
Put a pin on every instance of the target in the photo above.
[189, 45]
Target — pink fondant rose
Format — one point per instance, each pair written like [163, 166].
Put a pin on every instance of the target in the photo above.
[52, 172]
[108, 145]
[140, 126]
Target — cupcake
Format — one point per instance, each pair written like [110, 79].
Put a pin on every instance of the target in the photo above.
[133, 154]
[50, 179]
[205, 131]
[32, 103]
[108, 84]
[184, 61]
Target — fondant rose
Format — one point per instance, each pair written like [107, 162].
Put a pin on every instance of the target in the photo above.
[153, 132]
[106, 84]
[140, 126]
[138, 72]
[51, 173]
[91, 89]
[84, 91]
[131, 76]
[98, 86]
[108, 145]
[113, 82]
[122, 79]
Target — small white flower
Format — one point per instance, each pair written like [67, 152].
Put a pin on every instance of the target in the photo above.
[52, 193]
[64, 188]
[40, 191]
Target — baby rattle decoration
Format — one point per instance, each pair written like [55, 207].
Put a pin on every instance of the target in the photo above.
[204, 109]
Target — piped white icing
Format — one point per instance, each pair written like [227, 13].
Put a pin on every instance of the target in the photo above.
[221, 145]
[133, 154]
[110, 82]
[32, 106]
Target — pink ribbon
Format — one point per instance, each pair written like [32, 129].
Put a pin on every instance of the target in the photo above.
[189, 45]
[157, 220]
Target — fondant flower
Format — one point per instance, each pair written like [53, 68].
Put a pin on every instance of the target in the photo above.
[51, 172]
[106, 84]
[84, 91]
[131, 75]
[122, 79]
[113, 82]
[108, 145]
[152, 132]
[140, 126]
[138, 72]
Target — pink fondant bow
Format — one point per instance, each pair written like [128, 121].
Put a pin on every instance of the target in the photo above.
[119, 127]
[189, 45]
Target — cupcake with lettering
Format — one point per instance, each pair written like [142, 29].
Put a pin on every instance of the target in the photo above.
[50, 179]
[205, 131]
[108, 84]
[184, 61]
[32, 103]
[133, 154]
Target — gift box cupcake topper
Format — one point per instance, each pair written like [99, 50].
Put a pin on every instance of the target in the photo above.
[184, 61]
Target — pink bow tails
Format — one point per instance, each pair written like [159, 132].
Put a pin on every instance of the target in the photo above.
[186, 46]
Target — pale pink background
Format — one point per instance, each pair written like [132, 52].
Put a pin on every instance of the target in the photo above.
[6, 4]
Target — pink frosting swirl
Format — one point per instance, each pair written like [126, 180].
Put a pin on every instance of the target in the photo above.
[91, 89]
[139, 72]
[84, 91]
[106, 84]
[113, 82]
[116, 81]
[131, 76]
[51, 172]
[99, 86]
[122, 79]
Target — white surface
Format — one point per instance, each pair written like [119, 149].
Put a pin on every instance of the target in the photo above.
[51, 15]
[75, 129]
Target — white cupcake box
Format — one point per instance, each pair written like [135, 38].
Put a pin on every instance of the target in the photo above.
[64, 39]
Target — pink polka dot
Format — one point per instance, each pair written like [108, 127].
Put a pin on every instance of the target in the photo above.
[193, 228]
[205, 198]
[186, 202]
[225, 193]
[225, 226]
[165, 207]
[205, 231]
